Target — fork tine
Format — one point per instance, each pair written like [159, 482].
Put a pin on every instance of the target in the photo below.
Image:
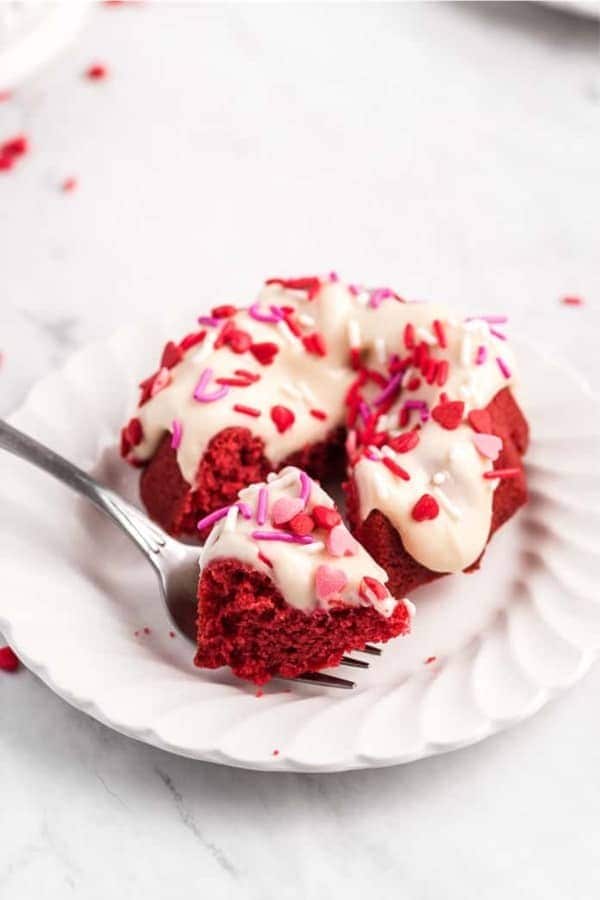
[354, 663]
[324, 680]
[369, 648]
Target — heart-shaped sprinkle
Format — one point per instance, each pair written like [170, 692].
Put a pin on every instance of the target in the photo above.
[239, 340]
[326, 517]
[404, 442]
[283, 418]
[285, 508]
[369, 586]
[426, 507]
[488, 445]
[480, 420]
[301, 524]
[264, 352]
[340, 542]
[449, 415]
[160, 381]
[171, 355]
[9, 662]
[329, 581]
[131, 435]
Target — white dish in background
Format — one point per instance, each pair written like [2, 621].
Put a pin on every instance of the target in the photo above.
[507, 638]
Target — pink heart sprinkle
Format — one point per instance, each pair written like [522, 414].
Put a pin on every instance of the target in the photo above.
[329, 581]
[340, 542]
[285, 509]
[488, 445]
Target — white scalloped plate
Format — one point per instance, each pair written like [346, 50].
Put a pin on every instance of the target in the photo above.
[507, 638]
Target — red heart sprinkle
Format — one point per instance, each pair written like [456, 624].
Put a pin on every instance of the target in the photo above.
[449, 415]
[146, 387]
[426, 507]
[371, 584]
[326, 517]
[265, 352]
[9, 662]
[301, 524]
[480, 420]
[404, 442]
[171, 355]
[239, 340]
[190, 340]
[315, 343]
[223, 312]
[283, 417]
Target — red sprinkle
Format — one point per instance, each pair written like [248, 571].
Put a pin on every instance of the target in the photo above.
[302, 523]
[480, 420]
[239, 340]
[131, 435]
[4, 96]
[409, 336]
[265, 559]
[315, 343]
[404, 442]
[264, 352]
[247, 410]
[440, 333]
[442, 372]
[234, 382]
[16, 146]
[393, 466]
[502, 473]
[311, 284]
[426, 507]
[430, 659]
[69, 185]
[191, 340]
[449, 415]
[275, 752]
[283, 418]
[259, 693]
[9, 661]
[572, 301]
[414, 383]
[224, 311]
[171, 355]
[326, 517]
[430, 370]
[171, 634]
[96, 72]
[371, 584]
[251, 376]
[318, 414]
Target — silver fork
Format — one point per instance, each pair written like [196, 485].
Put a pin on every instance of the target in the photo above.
[175, 563]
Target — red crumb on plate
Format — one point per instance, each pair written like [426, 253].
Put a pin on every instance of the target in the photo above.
[96, 72]
[430, 659]
[275, 752]
[69, 185]
[572, 301]
[259, 694]
[9, 661]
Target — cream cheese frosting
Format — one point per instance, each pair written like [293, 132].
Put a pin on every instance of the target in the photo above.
[310, 377]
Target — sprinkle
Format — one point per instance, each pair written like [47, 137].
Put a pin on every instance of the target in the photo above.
[430, 659]
[301, 523]
[502, 473]
[259, 693]
[177, 434]
[225, 311]
[276, 315]
[245, 509]
[161, 381]
[203, 381]
[5, 95]
[393, 466]
[68, 185]
[252, 377]
[234, 382]
[498, 334]
[426, 335]
[503, 367]
[378, 295]
[405, 442]
[380, 349]
[572, 301]
[440, 333]
[275, 752]
[305, 487]
[208, 321]
[262, 505]
[426, 508]
[9, 661]
[264, 352]
[409, 336]
[246, 410]
[430, 370]
[318, 414]
[231, 518]
[171, 634]
[326, 517]
[265, 559]
[491, 320]
[442, 372]
[481, 356]
[365, 412]
[96, 72]
[282, 417]
[452, 510]
[373, 454]
[212, 517]
[390, 389]
[191, 340]
[282, 536]
[353, 334]
[333, 276]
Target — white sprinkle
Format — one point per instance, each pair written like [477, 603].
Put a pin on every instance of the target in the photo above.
[383, 422]
[231, 519]
[315, 547]
[292, 340]
[466, 351]
[290, 389]
[305, 319]
[426, 335]
[439, 477]
[353, 334]
[380, 349]
[307, 394]
[452, 510]
[409, 605]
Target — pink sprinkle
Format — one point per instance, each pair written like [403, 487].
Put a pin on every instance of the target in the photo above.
[275, 315]
[305, 487]
[203, 381]
[177, 433]
[491, 320]
[354, 290]
[389, 390]
[205, 377]
[498, 334]
[481, 355]
[212, 517]
[209, 321]
[333, 276]
[262, 506]
[282, 536]
[244, 509]
[503, 367]
[379, 295]
[572, 301]
[420, 405]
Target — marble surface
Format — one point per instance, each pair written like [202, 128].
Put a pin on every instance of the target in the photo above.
[449, 149]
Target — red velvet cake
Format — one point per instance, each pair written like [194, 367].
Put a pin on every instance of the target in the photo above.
[285, 588]
[434, 441]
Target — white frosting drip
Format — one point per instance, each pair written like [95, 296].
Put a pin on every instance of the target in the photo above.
[294, 566]
[302, 381]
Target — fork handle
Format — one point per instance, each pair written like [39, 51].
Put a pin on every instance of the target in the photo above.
[131, 521]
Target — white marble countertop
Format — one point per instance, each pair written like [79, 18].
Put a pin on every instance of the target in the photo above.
[450, 150]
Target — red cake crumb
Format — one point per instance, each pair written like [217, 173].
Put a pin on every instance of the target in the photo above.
[571, 301]
[69, 185]
[244, 623]
[9, 661]
[96, 72]
[379, 537]
[430, 659]
[275, 752]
